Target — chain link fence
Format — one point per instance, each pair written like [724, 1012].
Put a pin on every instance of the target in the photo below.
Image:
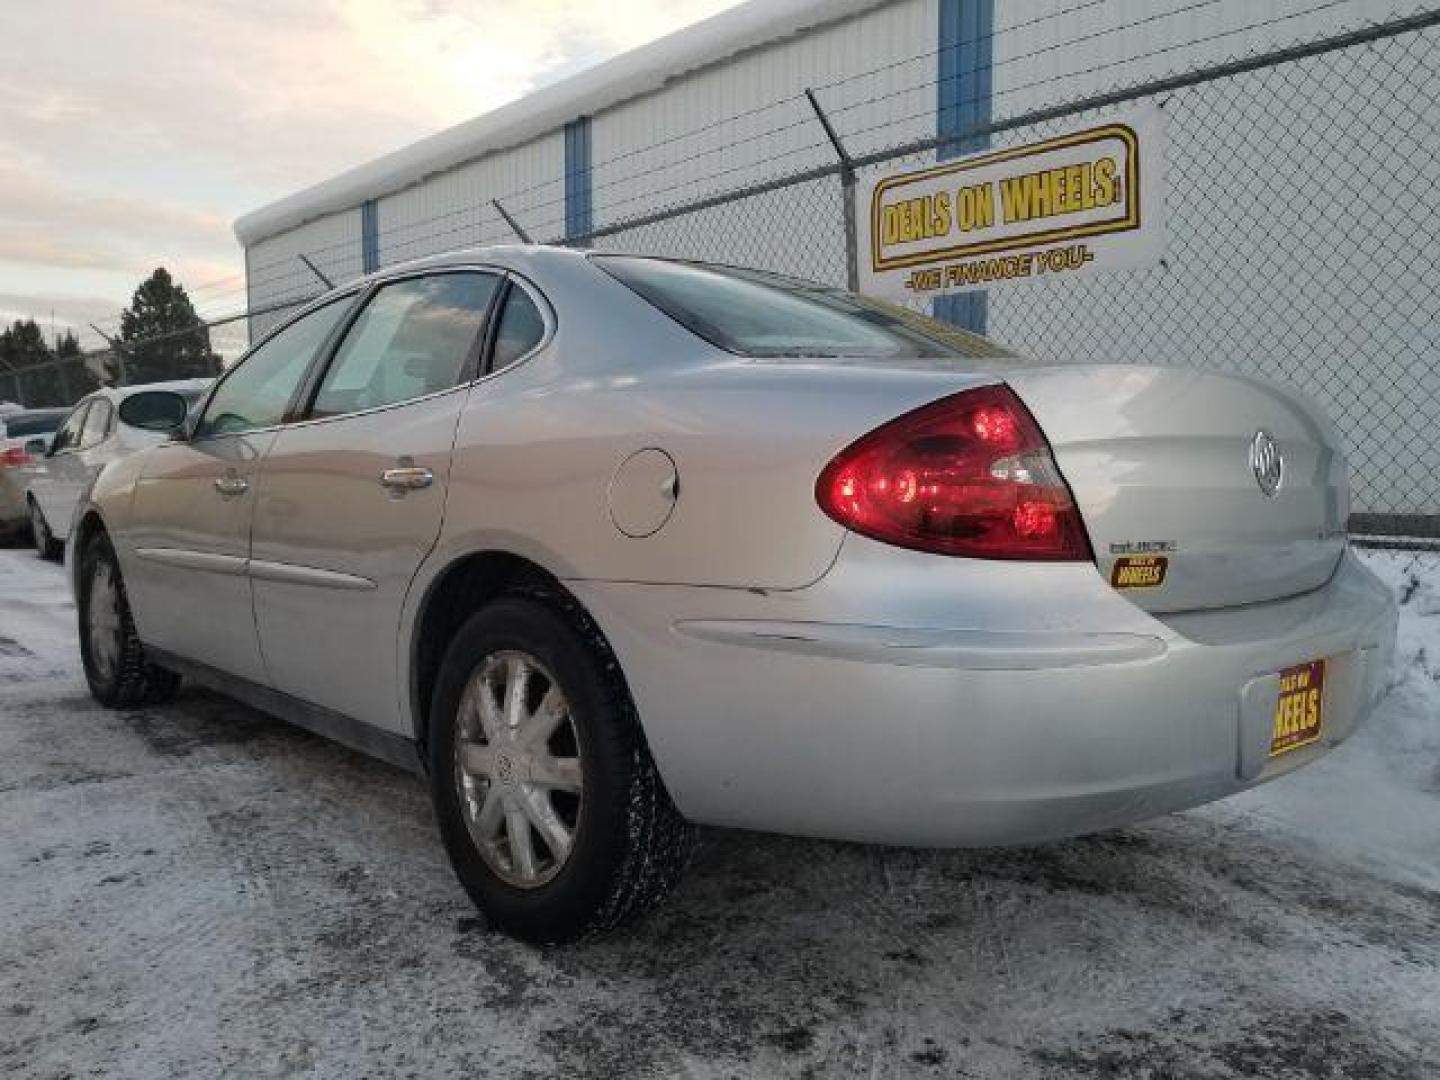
[1301, 244]
[56, 383]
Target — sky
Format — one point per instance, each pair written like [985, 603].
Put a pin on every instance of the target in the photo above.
[132, 134]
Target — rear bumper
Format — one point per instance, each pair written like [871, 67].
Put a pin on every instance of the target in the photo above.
[792, 723]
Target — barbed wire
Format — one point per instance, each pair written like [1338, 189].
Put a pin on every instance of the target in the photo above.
[1324, 106]
[514, 200]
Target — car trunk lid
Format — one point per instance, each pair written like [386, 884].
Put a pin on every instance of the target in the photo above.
[1169, 469]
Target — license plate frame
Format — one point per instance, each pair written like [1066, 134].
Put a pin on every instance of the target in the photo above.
[1299, 718]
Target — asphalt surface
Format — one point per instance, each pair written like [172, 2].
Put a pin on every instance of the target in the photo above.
[198, 890]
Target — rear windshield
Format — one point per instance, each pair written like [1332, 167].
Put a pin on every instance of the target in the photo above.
[41, 422]
[752, 313]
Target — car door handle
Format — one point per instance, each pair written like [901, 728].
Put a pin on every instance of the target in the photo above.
[230, 486]
[407, 478]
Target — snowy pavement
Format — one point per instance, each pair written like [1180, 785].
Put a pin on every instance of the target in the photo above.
[200, 891]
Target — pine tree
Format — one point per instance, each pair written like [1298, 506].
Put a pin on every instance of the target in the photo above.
[80, 378]
[162, 336]
[23, 350]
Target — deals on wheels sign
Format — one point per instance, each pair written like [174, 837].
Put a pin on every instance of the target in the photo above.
[1089, 199]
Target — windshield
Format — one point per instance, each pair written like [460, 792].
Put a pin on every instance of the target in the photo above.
[753, 313]
[21, 424]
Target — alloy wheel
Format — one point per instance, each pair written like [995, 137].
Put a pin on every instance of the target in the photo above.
[518, 769]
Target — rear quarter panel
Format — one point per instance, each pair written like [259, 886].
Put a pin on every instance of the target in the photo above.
[535, 461]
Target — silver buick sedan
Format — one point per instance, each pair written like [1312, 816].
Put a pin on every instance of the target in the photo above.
[613, 545]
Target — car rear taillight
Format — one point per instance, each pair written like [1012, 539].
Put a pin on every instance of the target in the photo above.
[14, 457]
[967, 475]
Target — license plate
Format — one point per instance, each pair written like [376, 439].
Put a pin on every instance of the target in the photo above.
[1299, 709]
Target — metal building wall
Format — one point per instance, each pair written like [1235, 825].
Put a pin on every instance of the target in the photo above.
[719, 128]
[1264, 193]
[1052, 51]
[276, 274]
[453, 209]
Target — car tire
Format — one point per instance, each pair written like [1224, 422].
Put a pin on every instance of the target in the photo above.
[40, 534]
[115, 664]
[628, 845]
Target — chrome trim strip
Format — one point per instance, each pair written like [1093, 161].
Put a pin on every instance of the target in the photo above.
[233, 565]
[293, 574]
[974, 650]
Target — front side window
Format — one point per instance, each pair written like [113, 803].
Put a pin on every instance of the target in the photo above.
[97, 424]
[257, 393]
[68, 437]
[752, 313]
[415, 337]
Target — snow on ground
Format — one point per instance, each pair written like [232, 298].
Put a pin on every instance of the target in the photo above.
[198, 890]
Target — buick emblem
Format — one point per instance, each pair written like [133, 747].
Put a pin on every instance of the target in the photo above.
[1267, 463]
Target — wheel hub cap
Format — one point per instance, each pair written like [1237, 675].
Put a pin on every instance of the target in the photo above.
[517, 769]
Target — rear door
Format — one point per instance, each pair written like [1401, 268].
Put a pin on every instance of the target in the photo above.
[190, 519]
[350, 499]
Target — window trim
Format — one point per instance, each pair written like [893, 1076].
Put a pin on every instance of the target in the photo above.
[81, 406]
[99, 399]
[359, 294]
[325, 346]
[303, 413]
[547, 317]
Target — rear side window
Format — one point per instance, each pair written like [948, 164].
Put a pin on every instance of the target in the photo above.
[415, 337]
[97, 423]
[521, 328]
[257, 393]
[751, 313]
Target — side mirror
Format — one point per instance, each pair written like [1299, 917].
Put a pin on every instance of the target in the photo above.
[155, 410]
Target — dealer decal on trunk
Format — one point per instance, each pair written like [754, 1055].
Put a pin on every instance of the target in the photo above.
[1139, 571]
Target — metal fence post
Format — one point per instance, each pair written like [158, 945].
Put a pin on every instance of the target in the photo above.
[316, 271]
[847, 194]
[115, 347]
[514, 225]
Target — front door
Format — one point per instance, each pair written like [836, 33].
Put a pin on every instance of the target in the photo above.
[189, 541]
[351, 499]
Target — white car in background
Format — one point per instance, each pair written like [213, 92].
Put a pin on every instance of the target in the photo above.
[24, 435]
[101, 427]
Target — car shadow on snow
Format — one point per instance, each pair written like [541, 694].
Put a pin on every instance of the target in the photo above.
[1163, 950]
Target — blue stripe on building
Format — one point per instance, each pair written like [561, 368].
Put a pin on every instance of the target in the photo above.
[369, 236]
[578, 219]
[966, 34]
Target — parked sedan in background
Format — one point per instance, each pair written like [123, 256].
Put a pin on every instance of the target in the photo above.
[25, 435]
[617, 544]
[100, 428]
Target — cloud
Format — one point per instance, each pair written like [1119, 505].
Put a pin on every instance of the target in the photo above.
[162, 122]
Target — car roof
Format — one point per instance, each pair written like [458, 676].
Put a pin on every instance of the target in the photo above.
[120, 393]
